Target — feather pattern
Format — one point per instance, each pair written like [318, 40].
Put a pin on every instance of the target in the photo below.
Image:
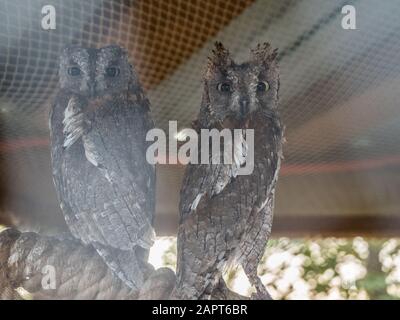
[226, 218]
[105, 186]
[73, 122]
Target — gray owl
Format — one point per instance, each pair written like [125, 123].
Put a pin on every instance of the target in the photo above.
[226, 218]
[105, 186]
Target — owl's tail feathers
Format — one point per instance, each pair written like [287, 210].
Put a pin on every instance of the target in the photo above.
[201, 291]
[130, 266]
[194, 286]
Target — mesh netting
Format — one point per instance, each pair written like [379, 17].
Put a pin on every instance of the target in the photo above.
[339, 89]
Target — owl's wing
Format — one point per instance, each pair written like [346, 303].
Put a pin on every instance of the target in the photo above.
[200, 183]
[203, 181]
[58, 138]
[115, 145]
[73, 122]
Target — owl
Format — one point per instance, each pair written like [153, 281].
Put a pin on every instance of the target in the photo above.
[105, 186]
[226, 218]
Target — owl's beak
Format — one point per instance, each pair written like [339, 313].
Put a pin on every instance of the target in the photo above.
[244, 107]
[92, 90]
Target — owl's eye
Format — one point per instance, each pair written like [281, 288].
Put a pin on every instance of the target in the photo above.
[112, 72]
[262, 86]
[224, 87]
[74, 71]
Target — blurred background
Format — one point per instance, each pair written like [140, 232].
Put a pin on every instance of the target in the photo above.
[337, 215]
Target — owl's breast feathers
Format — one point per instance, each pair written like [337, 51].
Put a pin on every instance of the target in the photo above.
[203, 182]
[104, 183]
[232, 225]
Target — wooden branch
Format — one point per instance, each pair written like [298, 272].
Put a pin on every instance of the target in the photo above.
[80, 273]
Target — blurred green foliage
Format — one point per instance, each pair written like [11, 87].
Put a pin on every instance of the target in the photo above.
[322, 268]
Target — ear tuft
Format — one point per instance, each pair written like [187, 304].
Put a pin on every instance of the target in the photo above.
[264, 53]
[220, 57]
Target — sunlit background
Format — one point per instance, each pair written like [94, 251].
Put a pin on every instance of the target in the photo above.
[329, 268]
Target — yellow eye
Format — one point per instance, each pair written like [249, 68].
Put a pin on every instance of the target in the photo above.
[224, 87]
[262, 86]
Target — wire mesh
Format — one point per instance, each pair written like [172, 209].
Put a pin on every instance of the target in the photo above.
[338, 99]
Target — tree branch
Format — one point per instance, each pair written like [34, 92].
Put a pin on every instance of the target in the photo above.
[80, 273]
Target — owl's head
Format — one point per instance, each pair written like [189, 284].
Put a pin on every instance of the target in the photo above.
[236, 91]
[91, 72]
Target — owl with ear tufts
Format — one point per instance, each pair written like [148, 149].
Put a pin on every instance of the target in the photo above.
[105, 186]
[226, 218]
